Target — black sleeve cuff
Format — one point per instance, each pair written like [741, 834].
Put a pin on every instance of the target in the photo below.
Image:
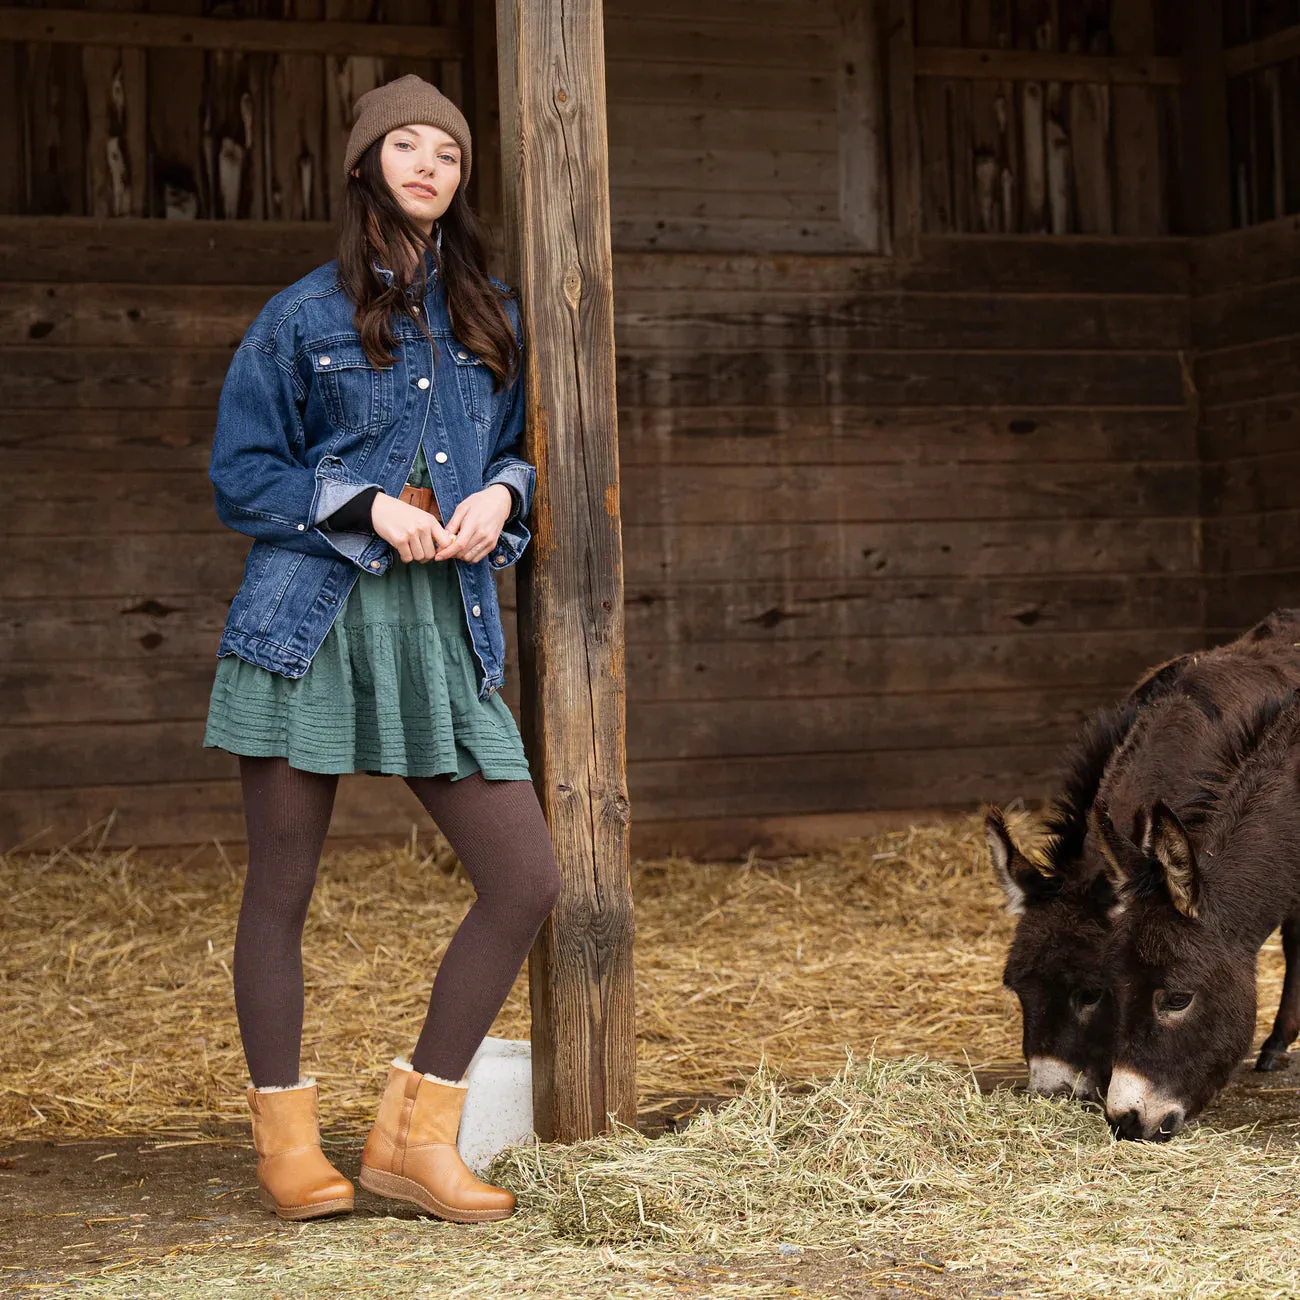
[353, 516]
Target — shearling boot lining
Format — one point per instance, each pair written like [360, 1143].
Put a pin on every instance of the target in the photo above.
[402, 1064]
[290, 1087]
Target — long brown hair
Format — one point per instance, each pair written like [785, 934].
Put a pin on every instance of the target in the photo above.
[375, 230]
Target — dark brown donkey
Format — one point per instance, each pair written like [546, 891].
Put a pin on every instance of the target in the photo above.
[1190, 921]
[1158, 744]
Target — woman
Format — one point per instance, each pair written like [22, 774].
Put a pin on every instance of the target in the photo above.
[367, 439]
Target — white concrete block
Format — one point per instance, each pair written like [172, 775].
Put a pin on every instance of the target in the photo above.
[499, 1101]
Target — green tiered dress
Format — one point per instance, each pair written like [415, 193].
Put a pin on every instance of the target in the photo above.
[393, 688]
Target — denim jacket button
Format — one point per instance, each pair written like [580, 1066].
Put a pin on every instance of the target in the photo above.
[462, 355]
[324, 361]
[440, 457]
[302, 528]
[498, 558]
[374, 564]
[476, 611]
[422, 382]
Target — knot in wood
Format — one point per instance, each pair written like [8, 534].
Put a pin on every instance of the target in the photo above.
[561, 96]
[573, 286]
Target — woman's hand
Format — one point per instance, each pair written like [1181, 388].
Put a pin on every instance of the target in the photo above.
[476, 524]
[414, 533]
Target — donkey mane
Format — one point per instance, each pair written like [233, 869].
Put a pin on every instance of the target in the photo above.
[1246, 759]
[1066, 825]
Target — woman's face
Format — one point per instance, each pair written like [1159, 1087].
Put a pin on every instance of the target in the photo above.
[422, 167]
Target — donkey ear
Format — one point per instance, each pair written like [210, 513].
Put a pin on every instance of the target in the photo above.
[1019, 878]
[1121, 857]
[1172, 848]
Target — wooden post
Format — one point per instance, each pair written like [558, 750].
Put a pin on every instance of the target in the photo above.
[904, 137]
[555, 166]
[1206, 172]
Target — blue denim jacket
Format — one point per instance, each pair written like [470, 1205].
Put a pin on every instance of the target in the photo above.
[305, 423]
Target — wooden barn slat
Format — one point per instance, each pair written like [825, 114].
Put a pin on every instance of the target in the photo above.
[1025, 658]
[838, 435]
[170, 316]
[243, 35]
[768, 612]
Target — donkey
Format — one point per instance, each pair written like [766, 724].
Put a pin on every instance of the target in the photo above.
[1156, 745]
[1189, 922]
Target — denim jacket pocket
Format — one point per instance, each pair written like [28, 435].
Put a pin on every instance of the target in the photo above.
[357, 396]
[476, 381]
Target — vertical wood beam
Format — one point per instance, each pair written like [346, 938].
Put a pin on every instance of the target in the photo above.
[863, 177]
[1206, 169]
[555, 163]
[904, 138]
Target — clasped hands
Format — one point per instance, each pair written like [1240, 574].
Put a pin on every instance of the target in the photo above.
[469, 534]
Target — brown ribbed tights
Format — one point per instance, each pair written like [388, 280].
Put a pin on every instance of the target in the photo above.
[499, 834]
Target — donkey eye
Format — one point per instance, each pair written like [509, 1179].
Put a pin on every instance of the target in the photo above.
[1166, 1001]
[1086, 999]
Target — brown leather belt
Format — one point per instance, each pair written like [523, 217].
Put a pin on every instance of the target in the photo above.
[422, 499]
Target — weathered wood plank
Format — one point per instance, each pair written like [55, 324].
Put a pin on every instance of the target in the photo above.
[245, 35]
[802, 494]
[1246, 258]
[1250, 486]
[382, 808]
[224, 252]
[1023, 659]
[85, 752]
[642, 167]
[652, 320]
[1247, 374]
[687, 731]
[734, 235]
[190, 813]
[835, 435]
[970, 264]
[807, 15]
[1255, 55]
[680, 126]
[1048, 65]
[54, 378]
[834, 782]
[120, 506]
[80, 693]
[555, 166]
[1239, 317]
[1260, 428]
[700, 42]
[774, 551]
[773, 612]
[897, 379]
[633, 81]
[904, 128]
[1235, 601]
[1206, 180]
[1140, 204]
[862, 126]
[1261, 542]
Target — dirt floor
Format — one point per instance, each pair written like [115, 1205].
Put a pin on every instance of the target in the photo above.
[73, 1212]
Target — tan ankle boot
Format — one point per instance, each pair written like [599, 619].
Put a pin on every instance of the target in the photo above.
[296, 1180]
[411, 1153]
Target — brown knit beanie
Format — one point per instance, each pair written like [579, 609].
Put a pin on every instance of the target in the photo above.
[405, 102]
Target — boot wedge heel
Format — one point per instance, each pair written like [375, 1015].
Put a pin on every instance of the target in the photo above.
[295, 1213]
[397, 1188]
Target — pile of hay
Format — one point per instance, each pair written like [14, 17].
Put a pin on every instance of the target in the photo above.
[888, 1164]
[118, 1015]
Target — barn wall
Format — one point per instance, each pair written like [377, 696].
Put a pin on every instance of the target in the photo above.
[742, 124]
[890, 529]
[1247, 330]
